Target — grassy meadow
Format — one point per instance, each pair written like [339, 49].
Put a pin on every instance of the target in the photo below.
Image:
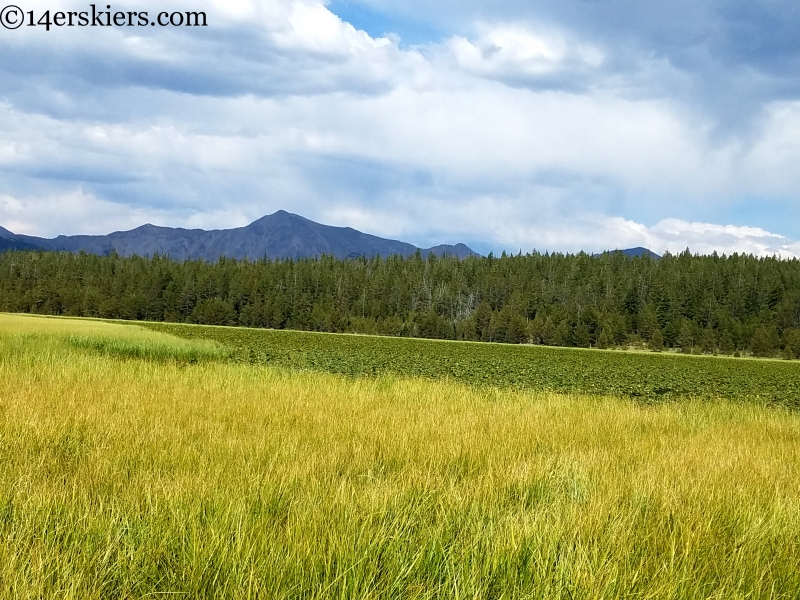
[645, 376]
[136, 464]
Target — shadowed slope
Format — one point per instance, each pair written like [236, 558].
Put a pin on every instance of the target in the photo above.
[279, 235]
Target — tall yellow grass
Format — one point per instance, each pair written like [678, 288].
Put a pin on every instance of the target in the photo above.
[137, 477]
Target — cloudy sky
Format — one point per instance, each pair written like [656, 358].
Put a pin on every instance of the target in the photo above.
[505, 124]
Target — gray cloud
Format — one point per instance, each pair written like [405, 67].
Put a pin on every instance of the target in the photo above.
[722, 57]
[514, 129]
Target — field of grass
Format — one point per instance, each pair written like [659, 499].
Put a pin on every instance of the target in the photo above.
[649, 377]
[178, 472]
[112, 339]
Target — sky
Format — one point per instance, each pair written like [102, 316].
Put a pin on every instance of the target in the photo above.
[555, 125]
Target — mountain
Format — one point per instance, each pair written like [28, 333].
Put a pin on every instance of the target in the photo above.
[279, 235]
[635, 252]
[9, 241]
[639, 252]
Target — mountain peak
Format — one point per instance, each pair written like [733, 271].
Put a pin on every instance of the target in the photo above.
[281, 215]
[637, 252]
[280, 235]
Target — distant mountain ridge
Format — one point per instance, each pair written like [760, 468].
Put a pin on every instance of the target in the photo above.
[637, 252]
[279, 235]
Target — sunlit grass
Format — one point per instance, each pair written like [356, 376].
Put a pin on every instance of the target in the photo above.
[128, 478]
[124, 341]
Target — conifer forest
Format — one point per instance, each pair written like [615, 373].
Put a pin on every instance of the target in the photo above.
[699, 304]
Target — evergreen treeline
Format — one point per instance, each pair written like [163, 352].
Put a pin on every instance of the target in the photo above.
[696, 303]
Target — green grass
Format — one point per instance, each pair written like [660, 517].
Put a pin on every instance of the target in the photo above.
[648, 377]
[132, 477]
[108, 338]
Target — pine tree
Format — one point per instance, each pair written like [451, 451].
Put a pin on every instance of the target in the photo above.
[581, 335]
[764, 341]
[657, 341]
[606, 338]
[686, 339]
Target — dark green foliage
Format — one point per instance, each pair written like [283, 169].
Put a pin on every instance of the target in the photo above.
[643, 376]
[792, 337]
[707, 304]
[657, 341]
[214, 311]
[582, 336]
[765, 340]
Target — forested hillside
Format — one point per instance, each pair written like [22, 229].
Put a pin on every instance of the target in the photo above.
[695, 303]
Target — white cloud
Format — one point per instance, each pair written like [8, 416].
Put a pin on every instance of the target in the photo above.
[704, 238]
[600, 232]
[514, 50]
[281, 104]
[496, 223]
[73, 211]
[772, 162]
